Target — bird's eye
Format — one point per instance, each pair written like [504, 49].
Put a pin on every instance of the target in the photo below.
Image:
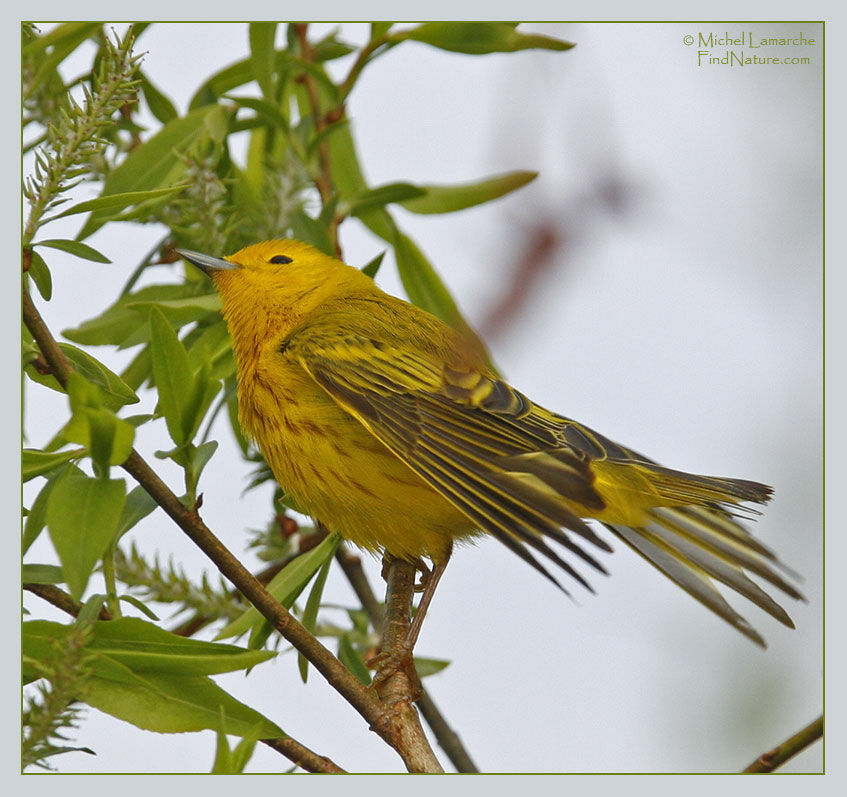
[279, 259]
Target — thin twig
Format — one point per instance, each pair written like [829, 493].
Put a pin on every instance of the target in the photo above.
[768, 762]
[61, 600]
[303, 756]
[379, 717]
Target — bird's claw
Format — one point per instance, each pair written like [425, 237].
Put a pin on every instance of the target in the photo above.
[389, 663]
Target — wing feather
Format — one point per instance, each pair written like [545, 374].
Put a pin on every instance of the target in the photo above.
[518, 471]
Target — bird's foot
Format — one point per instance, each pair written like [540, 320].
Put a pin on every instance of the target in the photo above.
[388, 663]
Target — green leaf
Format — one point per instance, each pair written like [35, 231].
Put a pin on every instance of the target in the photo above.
[37, 463]
[201, 455]
[382, 196]
[101, 440]
[68, 31]
[144, 647]
[350, 182]
[133, 601]
[153, 679]
[372, 267]
[244, 749]
[47, 380]
[139, 503]
[346, 172]
[427, 667]
[122, 326]
[40, 274]
[350, 658]
[379, 29]
[223, 763]
[266, 110]
[82, 517]
[116, 393]
[159, 104]
[119, 201]
[108, 438]
[139, 370]
[220, 83]
[359, 618]
[425, 289]
[75, 248]
[310, 613]
[172, 374]
[41, 574]
[285, 586]
[198, 401]
[262, 54]
[232, 762]
[169, 703]
[184, 310]
[450, 198]
[90, 610]
[329, 48]
[117, 325]
[37, 517]
[478, 38]
[423, 285]
[305, 228]
[324, 134]
[208, 344]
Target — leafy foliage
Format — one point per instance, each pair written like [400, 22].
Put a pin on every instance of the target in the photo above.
[300, 178]
[54, 708]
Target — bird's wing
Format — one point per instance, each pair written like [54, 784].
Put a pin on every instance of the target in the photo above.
[522, 473]
[469, 435]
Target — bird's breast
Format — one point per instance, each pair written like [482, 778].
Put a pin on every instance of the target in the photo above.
[337, 471]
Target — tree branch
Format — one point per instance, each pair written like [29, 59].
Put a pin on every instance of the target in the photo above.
[768, 762]
[446, 737]
[61, 600]
[396, 683]
[303, 756]
[381, 718]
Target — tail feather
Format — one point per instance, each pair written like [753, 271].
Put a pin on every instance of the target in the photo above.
[719, 568]
[679, 488]
[700, 531]
[687, 575]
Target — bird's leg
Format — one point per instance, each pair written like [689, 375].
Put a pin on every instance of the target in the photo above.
[419, 564]
[396, 655]
[429, 582]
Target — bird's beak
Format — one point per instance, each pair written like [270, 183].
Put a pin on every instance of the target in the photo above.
[206, 263]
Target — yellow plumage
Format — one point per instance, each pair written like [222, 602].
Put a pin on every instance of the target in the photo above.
[386, 424]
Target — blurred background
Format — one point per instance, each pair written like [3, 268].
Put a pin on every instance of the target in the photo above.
[661, 281]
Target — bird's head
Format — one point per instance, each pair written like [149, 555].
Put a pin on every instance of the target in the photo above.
[281, 280]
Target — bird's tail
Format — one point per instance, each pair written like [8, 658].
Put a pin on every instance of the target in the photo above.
[701, 543]
[687, 526]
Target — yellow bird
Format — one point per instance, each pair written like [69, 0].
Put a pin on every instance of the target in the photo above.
[387, 425]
